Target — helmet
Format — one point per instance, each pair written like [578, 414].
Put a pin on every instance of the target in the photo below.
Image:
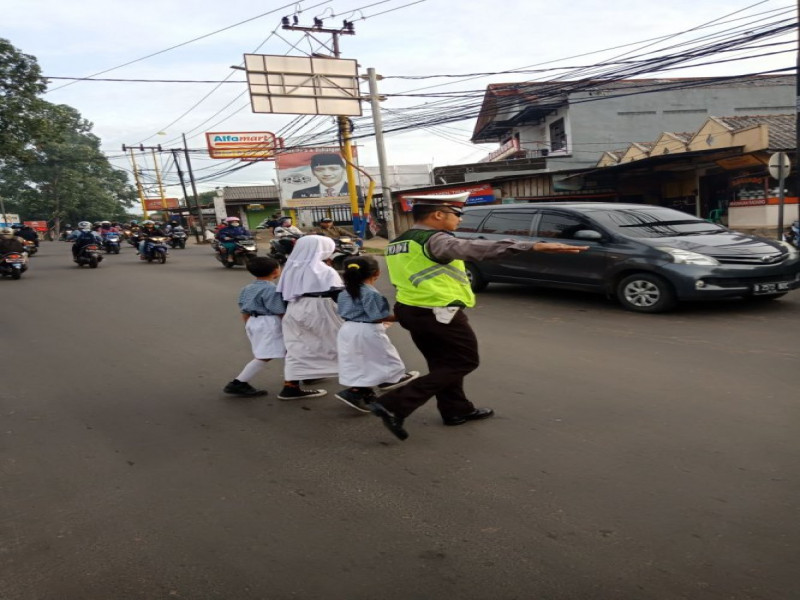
[85, 225]
[68, 226]
[147, 223]
[326, 220]
[105, 222]
[16, 226]
[173, 223]
[233, 220]
[6, 231]
[134, 222]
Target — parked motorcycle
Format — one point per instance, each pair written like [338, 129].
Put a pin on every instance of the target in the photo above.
[245, 249]
[345, 248]
[90, 254]
[280, 248]
[13, 264]
[177, 238]
[793, 234]
[155, 249]
[111, 242]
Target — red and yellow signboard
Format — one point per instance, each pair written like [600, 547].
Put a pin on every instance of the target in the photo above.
[155, 204]
[247, 145]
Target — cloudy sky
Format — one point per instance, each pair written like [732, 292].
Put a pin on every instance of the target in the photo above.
[399, 38]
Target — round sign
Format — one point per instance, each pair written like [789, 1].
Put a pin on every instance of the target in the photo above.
[776, 161]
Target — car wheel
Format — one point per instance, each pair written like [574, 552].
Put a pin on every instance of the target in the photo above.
[476, 281]
[645, 292]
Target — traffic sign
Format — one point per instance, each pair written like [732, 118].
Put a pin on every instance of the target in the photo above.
[776, 161]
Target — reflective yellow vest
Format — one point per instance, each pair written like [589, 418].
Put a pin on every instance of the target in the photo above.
[422, 281]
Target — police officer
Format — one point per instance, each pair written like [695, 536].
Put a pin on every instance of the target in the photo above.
[426, 266]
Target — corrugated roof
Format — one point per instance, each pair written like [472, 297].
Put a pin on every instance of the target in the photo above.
[251, 192]
[782, 128]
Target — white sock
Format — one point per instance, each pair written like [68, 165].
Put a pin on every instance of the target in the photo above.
[250, 370]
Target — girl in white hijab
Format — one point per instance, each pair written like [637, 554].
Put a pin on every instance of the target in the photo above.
[311, 323]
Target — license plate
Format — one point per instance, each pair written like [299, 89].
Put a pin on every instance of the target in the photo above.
[772, 288]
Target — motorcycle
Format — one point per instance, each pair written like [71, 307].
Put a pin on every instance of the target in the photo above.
[793, 234]
[177, 238]
[13, 264]
[245, 249]
[30, 247]
[111, 242]
[345, 248]
[280, 248]
[89, 255]
[64, 235]
[155, 248]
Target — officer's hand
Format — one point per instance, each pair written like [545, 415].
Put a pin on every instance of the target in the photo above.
[558, 248]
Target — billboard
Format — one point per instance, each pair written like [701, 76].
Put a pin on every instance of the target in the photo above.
[155, 204]
[249, 145]
[313, 177]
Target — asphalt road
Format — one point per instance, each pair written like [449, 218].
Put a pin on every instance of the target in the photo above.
[633, 457]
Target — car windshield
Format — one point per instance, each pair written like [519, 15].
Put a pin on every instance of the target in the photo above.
[654, 222]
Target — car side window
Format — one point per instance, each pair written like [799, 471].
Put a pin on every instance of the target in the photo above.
[506, 222]
[560, 226]
[471, 220]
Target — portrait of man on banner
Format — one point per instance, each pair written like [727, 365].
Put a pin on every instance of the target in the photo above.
[323, 168]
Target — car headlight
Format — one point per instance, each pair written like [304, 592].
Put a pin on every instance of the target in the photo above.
[686, 257]
[793, 252]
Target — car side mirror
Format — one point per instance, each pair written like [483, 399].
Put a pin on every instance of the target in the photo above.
[588, 234]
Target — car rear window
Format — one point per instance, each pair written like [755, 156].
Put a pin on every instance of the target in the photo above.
[653, 222]
[506, 222]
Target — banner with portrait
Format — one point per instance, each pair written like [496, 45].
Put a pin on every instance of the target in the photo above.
[312, 177]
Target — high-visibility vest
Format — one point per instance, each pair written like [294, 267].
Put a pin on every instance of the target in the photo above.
[422, 281]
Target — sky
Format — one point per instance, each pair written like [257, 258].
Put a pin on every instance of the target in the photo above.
[399, 38]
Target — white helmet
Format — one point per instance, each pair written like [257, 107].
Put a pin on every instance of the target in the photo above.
[6, 231]
[85, 225]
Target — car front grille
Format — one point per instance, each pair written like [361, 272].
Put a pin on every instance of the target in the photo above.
[767, 259]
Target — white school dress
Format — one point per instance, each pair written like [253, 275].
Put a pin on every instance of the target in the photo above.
[310, 328]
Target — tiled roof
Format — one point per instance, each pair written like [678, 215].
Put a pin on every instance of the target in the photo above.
[251, 192]
[782, 128]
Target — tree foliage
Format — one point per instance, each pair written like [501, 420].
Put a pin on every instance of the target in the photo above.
[55, 169]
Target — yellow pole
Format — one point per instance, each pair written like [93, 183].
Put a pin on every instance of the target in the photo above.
[138, 184]
[160, 186]
[344, 127]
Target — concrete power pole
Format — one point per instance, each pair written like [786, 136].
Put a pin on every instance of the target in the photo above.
[388, 205]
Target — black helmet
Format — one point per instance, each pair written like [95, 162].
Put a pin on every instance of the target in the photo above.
[326, 220]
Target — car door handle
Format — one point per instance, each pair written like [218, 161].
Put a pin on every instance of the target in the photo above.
[481, 237]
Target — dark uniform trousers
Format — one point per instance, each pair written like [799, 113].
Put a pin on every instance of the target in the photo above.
[451, 351]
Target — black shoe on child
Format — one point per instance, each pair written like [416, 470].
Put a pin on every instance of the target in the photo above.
[390, 421]
[407, 378]
[295, 392]
[242, 388]
[475, 415]
[355, 399]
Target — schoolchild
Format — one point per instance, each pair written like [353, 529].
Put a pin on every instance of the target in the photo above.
[367, 357]
[262, 309]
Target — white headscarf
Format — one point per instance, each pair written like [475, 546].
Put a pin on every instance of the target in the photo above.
[304, 272]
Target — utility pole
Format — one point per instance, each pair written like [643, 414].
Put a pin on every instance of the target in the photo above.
[359, 222]
[194, 188]
[136, 177]
[160, 185]
[183, 187]
[388, 205]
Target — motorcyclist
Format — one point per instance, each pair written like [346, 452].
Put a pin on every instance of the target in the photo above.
[286, 234]
[9, 242]
[83, 236]
[228, 234]
[29, 234]
[147, 231]
[328, 229]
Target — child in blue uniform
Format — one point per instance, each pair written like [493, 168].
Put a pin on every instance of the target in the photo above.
[367, 357]
[262, 308]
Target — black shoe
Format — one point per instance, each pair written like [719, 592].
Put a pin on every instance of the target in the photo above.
[408, 377]
[291, 392]
[391, 422]
[355, 399]
[242, 388]
[475, 415]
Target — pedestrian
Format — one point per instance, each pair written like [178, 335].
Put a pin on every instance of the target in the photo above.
[311, 324]
[426, 266]
[367, 357]
[262, 309]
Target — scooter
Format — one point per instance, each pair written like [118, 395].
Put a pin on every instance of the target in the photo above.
[280, 248]
[793, 234]
[244, 250]
[13, 264]
[30, 247]
[177, 238]
[155, 249]
[111, 242]
[89, 255]
[345, 248]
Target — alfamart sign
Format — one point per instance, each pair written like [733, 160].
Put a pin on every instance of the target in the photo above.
[250, 145]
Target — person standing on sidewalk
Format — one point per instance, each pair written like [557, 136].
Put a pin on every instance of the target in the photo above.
[426, 266]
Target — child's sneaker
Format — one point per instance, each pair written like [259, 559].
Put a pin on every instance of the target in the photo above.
[242, 388]
[295, 392]
[355, 399]
[408, 377]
